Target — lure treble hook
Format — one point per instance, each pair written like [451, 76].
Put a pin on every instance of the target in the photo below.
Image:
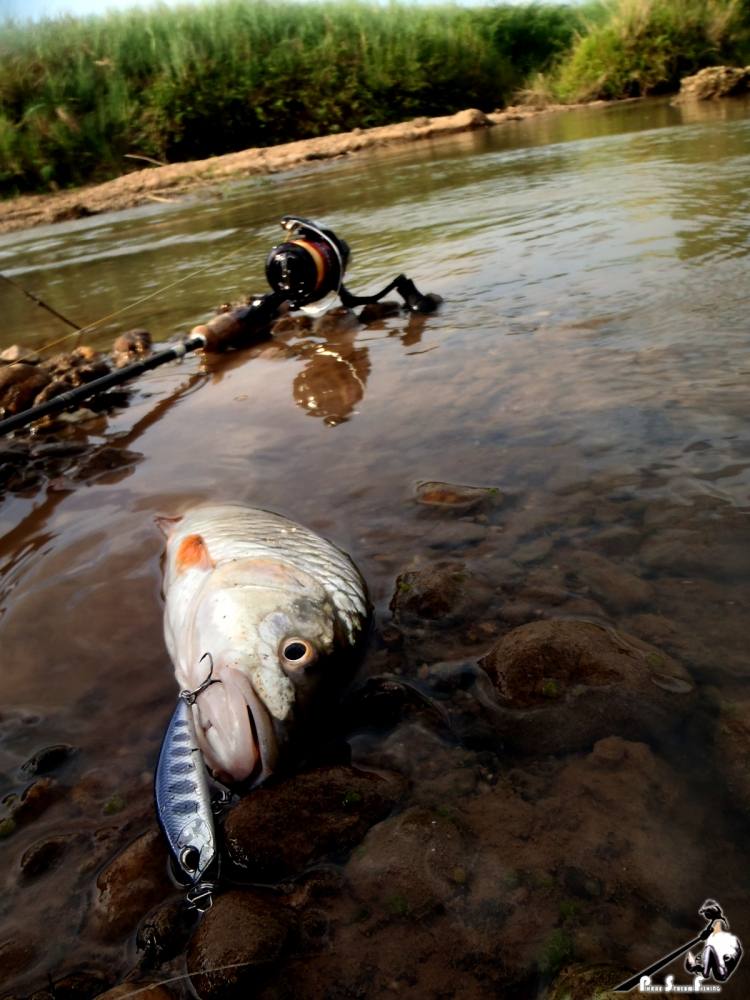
[191, 696]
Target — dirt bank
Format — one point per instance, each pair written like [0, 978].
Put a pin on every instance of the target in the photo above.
[169, 182]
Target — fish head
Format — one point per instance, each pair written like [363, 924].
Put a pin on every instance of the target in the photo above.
[269, 633]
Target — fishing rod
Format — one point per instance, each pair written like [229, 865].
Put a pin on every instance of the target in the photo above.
[305, 272]
[40, 302]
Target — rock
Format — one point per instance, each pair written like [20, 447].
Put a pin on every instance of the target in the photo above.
[36, 799]
[17, 353]
[279, 830]
[143, 991]
[410, 865]
[241, 928]
[14, 374]
[574, 858]
[562, 685]
[105, 460]
[48, 758]
[454, 497]
[17, 954]
[130, 346]
[164, 933]
[81, 984]
[444, 592]
[21, 394]
[713, 82]
[608, 582]
[588, 982]
[43, 855]
[130, 885]
[472, 118]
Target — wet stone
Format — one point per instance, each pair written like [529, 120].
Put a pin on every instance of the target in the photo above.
[17, 353]
[48, 759]
[36, 799]
[443, 592]
[164, 933]
[145, 991]
[453, 497]
[17, 954]
[242, 929]
[609, 582]
[130, 346]
[563, 684]
[410, 865]
[81, 984]
[130, 885]
[279, 830]
[732, 750]
[43, 856]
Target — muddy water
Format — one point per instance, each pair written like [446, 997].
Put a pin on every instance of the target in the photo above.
[590, 365]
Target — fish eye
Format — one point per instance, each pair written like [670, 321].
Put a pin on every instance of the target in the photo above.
[297, 653]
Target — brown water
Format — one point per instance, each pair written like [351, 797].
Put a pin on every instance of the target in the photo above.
[590, 362]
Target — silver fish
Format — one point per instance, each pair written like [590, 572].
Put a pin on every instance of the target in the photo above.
[278, 609]
[183, 797]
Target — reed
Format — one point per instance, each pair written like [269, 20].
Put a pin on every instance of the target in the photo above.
[78, 95]
[645, 47]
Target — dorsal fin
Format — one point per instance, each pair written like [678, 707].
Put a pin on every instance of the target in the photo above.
[193, 554]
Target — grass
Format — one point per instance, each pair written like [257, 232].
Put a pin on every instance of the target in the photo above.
[79, 96]
[646, 46]
[81, 99]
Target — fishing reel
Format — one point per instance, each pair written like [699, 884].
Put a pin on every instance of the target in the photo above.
[307, 271]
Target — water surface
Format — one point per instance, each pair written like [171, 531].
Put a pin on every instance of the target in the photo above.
[590, 363]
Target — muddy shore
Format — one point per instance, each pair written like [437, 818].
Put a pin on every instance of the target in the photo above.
[169, 182]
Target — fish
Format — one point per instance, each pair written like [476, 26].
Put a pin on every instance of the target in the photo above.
[183, 797]
[281, 612]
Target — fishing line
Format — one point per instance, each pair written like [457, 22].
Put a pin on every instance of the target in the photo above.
[80, 331]
[185, 975]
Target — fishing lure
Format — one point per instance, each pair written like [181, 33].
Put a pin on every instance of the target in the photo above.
[184, 804]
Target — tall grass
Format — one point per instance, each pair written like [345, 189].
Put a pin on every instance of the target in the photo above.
[646, 46]
[77, 95]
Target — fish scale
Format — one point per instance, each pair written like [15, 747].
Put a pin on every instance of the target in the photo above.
[256, 534]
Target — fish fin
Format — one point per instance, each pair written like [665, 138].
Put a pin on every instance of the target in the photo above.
[193, 554]
[166, 524]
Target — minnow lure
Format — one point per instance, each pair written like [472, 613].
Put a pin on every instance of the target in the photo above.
[183, 804]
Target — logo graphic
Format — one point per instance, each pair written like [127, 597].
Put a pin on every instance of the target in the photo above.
[711, 959]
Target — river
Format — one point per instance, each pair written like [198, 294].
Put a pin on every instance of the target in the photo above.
[589, 367]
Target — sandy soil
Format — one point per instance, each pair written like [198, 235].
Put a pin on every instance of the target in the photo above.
[168, 182]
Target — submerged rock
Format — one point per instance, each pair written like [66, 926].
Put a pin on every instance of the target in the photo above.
[48, 758]
[455, 497]
[242, 929]
[130, 885]
[279, 830]
[562, 685]
[444, 592]
[587, 982]
[714, 82]
[410, 865]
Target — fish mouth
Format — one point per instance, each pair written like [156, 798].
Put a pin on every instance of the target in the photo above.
[234, 729]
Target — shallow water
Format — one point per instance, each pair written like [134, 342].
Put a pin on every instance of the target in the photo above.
[590, 362]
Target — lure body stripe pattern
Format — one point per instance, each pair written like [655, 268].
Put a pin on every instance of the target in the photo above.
[183, 797]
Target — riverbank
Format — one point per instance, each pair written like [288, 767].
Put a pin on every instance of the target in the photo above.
[173, 181]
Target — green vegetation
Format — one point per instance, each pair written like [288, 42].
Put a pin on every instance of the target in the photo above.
[87, 99]
[79, 96]
[646, 46]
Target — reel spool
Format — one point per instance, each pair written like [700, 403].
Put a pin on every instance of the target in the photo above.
[307, 270]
